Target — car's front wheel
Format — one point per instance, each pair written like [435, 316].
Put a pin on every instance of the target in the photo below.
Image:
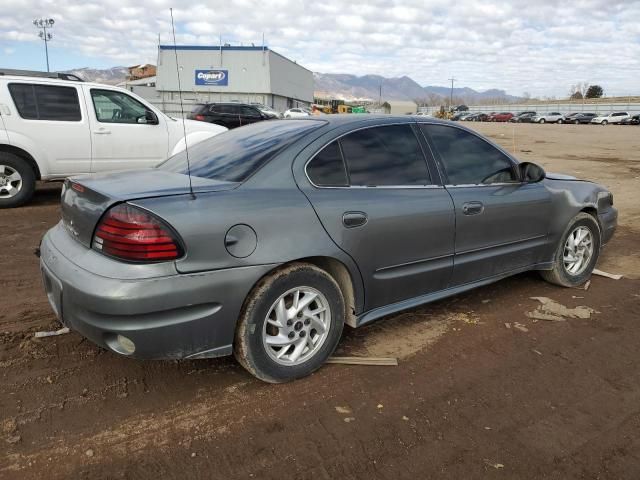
[560, 121]
[577, 122]
[290, 324]
[541, 120]
[577, 253]
[17, 180]
[604, 122]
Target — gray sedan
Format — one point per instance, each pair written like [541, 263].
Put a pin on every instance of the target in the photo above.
[285, 231]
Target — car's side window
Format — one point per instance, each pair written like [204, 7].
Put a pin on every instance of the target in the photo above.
[46, 102]
[117, 107]
[327, 168]
[467, 159]
[249, 112]
[385, 156]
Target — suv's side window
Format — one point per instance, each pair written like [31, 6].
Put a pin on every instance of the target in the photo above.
[327, 168]
[117, 107]
[46, 102]
[467, 159]
[385, 156]
[249, 112]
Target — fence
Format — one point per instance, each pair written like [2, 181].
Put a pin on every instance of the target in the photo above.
[562, 107]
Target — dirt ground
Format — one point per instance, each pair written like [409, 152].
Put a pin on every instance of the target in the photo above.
[482, 390]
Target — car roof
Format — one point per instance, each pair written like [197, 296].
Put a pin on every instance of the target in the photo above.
[57, 81]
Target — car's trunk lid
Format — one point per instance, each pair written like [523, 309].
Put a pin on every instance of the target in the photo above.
[86, 198]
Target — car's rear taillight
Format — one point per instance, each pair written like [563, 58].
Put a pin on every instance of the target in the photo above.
[199, 117]
[133, 234]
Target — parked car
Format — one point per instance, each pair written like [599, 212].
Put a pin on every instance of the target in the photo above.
[53, 125]
[231, 114]
[477, 117]
[390, 212]
[615, 117]
[553, 117]
[460, 116]
[423, 114]
[460, 108]
[633, 120]
[295, 113]
[500, 117]
[524, 117]
[579, 118]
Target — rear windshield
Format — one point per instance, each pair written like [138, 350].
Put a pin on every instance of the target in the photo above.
[234, 155]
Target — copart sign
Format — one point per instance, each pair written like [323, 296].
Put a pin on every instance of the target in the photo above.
[219, 78]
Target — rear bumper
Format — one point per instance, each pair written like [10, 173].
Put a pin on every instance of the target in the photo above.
[608, 221]
[170, 316]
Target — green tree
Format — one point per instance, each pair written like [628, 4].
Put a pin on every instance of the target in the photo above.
[594, 91]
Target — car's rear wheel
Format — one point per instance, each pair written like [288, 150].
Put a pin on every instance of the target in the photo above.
[560, 121]
[577, 122]
[290, 324]
[541, 120]
[17, 180]
[577, 253]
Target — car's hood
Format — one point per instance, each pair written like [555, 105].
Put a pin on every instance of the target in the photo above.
[599, 118]
[561, 176]
[196, 126]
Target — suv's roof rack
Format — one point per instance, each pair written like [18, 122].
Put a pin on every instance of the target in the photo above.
[35, 73]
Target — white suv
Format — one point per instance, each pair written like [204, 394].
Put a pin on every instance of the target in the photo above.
[55, 125]
[553, 117]
[615, 117]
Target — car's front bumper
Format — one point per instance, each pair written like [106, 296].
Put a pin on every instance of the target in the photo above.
[167, 316]
[608, 222]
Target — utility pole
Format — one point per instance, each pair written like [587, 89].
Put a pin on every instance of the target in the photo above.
[42, 24]
[451, 95]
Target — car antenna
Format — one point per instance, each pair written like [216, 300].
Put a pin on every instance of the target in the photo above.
[184, 126]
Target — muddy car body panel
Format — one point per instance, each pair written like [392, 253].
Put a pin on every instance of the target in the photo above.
[389, 247]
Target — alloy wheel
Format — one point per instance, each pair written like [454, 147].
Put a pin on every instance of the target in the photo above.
[296, 326]
[578, 250]
[10, 182]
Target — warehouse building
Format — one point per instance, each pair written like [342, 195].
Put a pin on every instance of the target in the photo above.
[230, 73]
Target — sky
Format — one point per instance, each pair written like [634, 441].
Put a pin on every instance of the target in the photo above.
[536, 46]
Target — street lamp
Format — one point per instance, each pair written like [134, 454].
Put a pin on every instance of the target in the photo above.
[42, 24]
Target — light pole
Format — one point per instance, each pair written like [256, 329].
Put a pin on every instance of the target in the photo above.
[42, 24]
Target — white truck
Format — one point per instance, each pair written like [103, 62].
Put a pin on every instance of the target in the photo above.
[54, 125]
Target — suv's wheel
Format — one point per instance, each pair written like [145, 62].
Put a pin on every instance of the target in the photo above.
[577, 252]
[560, 121]
[577, 122]
[17, 180]
[290, 324]
[604, 122]
[541, 120]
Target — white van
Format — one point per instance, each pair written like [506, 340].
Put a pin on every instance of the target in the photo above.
[55, 125]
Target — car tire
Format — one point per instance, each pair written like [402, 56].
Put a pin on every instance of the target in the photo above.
[604, 122]
[541, 120]
[263, 332]
[17, 180]
[560, 121]
[561, 273]
[576, 122]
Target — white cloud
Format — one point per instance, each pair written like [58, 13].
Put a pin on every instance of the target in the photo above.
[541, 47]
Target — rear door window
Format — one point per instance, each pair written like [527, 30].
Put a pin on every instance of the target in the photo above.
[468, 159]
[385, 156]
[46, 102]
[327, 168]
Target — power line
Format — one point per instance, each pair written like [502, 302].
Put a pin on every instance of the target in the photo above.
[42, 24]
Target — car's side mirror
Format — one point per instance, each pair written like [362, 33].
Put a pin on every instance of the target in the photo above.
[149, 118]
[530, 172]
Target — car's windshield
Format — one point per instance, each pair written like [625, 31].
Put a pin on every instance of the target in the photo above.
[234, 155]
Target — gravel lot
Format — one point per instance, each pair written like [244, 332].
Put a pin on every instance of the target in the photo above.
[471, 398]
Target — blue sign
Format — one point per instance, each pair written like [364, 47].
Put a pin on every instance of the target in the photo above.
[217, 78]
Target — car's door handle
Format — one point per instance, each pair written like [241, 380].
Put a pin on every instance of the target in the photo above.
[472, 208]
[102, 131]
[354, 219]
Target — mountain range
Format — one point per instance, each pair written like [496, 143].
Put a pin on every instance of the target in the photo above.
[349, 87]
